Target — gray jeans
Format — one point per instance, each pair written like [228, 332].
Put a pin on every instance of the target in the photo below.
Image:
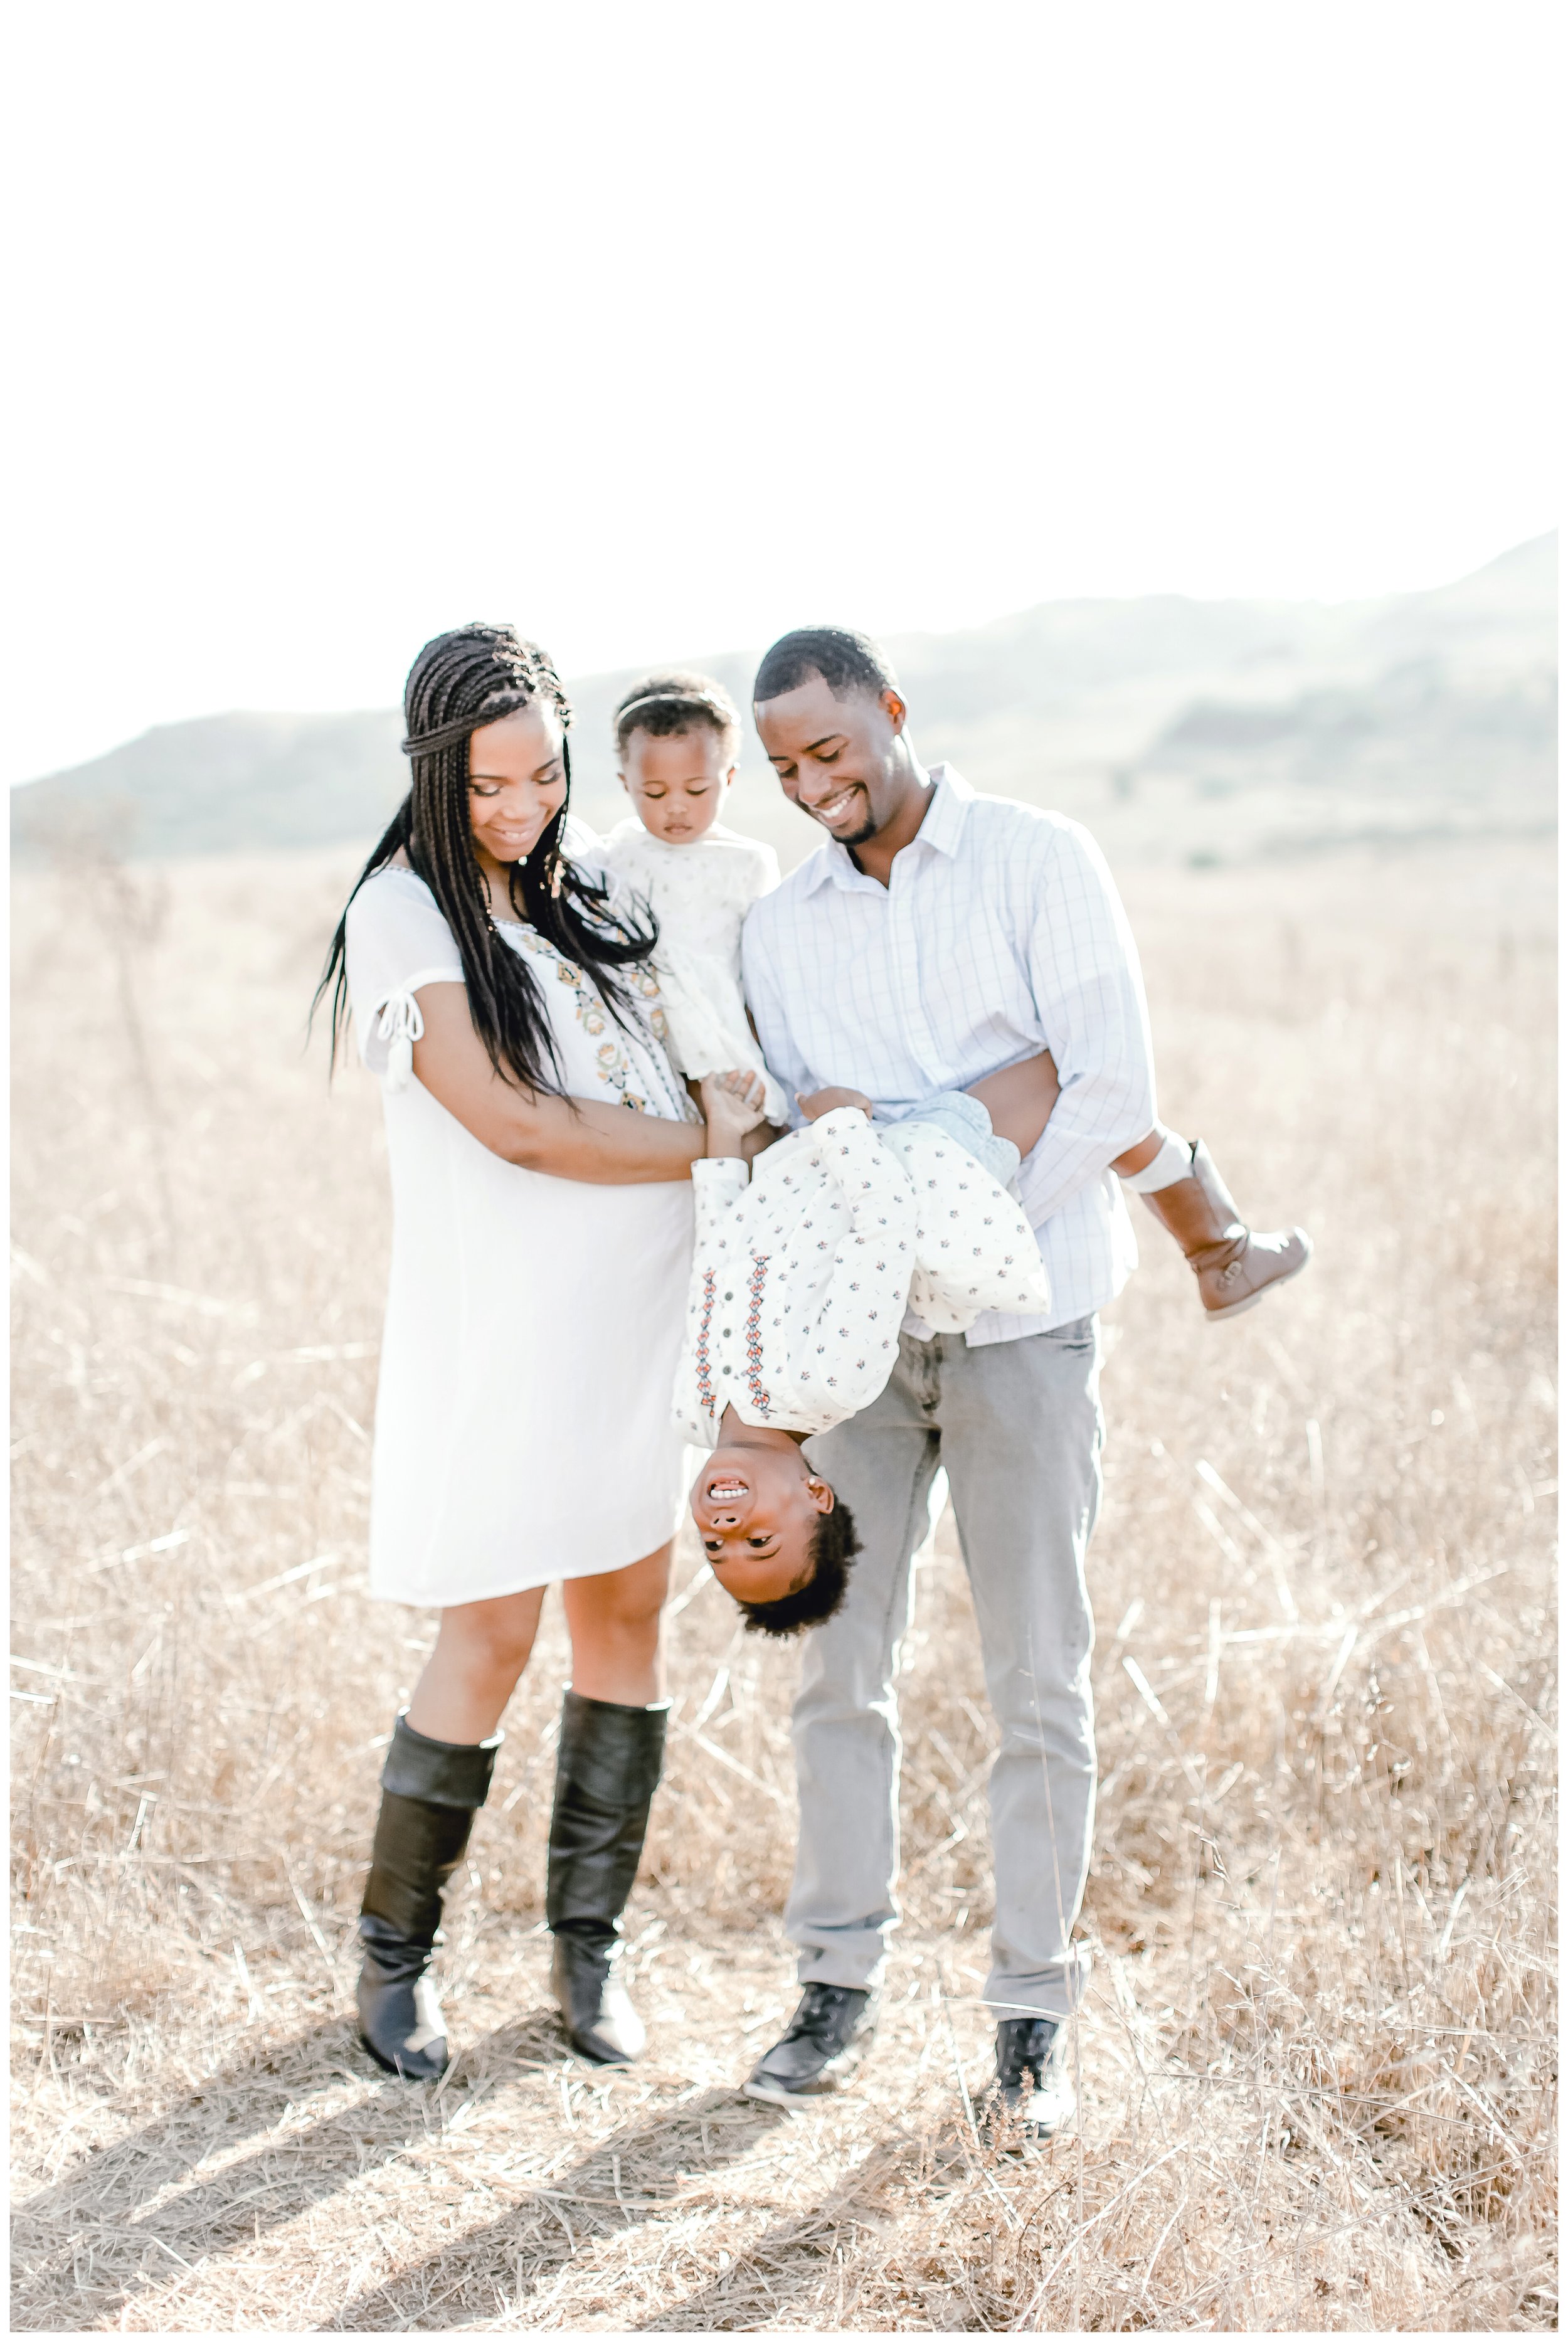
[1017, 1427]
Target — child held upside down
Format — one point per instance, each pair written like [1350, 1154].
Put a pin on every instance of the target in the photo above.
[803, 1273]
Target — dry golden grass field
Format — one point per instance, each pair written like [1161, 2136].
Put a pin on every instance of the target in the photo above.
[1317, 2058]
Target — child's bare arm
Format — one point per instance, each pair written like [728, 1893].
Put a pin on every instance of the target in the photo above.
[1139, 1158]
[1019, 1100]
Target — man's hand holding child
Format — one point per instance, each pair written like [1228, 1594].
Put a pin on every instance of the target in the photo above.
[814, 1104]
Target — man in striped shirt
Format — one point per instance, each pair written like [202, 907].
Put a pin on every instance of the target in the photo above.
[935, 937]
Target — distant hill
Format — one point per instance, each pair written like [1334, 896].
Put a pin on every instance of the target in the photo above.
[1177, 728]
[226, 782]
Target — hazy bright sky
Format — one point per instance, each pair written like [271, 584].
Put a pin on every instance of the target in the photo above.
[660, 329]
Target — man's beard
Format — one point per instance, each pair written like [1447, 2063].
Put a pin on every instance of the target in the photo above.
[856, 836]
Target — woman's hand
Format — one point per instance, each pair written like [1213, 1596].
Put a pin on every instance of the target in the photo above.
[733, 1107]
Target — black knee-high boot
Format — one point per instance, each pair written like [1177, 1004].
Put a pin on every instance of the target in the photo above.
[430, 1793]
[609, 1765]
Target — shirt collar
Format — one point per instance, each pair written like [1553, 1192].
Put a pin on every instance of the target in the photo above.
[941, 830]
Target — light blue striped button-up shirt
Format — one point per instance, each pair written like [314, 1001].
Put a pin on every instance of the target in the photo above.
[1001, 934]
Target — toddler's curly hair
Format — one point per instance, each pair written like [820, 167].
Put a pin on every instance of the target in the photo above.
[818, 1596]
[673, 701]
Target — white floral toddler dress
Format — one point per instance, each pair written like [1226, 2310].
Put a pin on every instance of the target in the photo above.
[700, 894]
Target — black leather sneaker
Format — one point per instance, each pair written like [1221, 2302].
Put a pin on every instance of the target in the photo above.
[1034, 2095]
[829, 2034]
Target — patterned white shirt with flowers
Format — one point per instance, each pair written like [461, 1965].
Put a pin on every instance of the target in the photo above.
[804, 1269]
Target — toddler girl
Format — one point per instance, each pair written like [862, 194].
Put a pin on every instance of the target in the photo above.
[676, 739]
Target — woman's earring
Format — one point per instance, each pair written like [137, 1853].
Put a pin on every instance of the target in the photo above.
[556, 880]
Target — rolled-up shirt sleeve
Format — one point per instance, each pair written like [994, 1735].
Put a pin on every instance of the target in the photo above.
[1089, 993]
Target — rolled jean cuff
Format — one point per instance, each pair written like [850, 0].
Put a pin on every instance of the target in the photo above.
[841, 1968]
[1058, 1995]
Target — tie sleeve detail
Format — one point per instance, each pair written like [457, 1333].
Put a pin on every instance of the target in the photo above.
[396, 1022]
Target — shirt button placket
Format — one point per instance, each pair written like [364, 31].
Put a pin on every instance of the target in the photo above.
[905, 893]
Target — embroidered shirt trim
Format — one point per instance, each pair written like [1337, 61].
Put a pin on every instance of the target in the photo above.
[760, 1397]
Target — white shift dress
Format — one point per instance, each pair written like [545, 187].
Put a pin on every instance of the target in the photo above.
[523, 1426]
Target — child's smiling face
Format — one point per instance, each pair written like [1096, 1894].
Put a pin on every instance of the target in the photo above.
[757, 1509]
[678, 784]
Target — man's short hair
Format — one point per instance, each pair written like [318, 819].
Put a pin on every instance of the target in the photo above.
[846, 663]
[834, 1547]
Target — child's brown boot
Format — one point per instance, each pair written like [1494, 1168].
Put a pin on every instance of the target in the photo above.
[1233, 1267]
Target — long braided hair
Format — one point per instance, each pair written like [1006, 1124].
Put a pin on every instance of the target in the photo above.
[472, 677]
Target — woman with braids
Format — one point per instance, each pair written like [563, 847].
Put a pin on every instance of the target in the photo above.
[540, 1147]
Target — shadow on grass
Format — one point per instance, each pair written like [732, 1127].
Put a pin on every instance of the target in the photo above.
[113, 2221]
[125, 2223]
[626, 2179]
[800, 2256]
